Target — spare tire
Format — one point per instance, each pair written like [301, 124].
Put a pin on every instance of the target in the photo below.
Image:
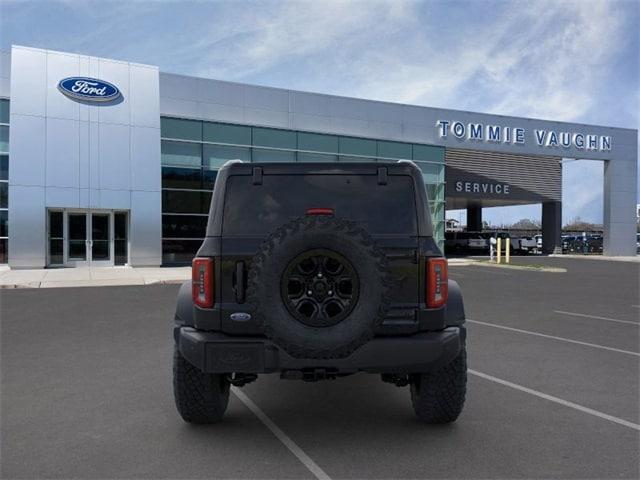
[318, 286]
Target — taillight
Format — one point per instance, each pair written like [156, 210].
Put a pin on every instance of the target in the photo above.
[320, 211]
[437, 282]
[202, 282]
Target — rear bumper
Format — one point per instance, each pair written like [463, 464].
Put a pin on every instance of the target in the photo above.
[215, 352]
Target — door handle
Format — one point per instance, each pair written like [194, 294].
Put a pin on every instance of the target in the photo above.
[240, 280]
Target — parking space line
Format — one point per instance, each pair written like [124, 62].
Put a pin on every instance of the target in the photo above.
[562, 339]
[487, 269]
[560, 401]
[596, 317]
[280, 435]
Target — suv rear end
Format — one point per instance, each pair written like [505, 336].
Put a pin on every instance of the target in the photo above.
[317, 271]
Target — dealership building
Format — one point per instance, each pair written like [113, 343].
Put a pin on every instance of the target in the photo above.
[108, 162]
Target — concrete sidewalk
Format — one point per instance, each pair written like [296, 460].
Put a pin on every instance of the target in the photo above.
[91, 277]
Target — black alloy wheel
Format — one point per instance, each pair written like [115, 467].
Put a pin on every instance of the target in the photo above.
[320, 288]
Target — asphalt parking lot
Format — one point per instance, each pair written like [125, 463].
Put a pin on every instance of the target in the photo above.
[553, 391]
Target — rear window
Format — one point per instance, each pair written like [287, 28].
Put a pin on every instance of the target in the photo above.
[259, 209]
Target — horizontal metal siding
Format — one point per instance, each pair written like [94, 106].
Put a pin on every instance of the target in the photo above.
[540, 175]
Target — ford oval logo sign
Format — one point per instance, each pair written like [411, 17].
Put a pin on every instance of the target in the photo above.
[89, 89]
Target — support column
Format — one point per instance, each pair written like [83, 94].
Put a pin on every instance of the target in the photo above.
[620, 191]
[474, 218]
[551, 227]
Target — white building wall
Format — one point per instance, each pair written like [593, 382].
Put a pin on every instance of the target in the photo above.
[71, 154]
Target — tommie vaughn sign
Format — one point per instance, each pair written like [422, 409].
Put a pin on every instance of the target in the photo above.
[478, 132]
[88, 89]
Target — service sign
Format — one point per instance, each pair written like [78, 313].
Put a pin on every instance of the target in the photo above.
[88, 89]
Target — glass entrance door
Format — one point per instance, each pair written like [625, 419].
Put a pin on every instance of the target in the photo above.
[77, 240]
[100, 242]
[87, 238]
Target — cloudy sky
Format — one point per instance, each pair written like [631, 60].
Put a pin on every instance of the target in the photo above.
[561, 60]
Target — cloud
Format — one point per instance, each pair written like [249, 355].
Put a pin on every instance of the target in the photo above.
[570, 60]
[276, 34]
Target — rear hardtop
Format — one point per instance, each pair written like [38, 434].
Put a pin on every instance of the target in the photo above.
[381, 171]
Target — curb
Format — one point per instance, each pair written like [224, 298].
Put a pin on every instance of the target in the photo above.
[89, 284]
[520, 267]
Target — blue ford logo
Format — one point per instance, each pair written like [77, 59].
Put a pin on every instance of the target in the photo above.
[89, 89]
[240, 317]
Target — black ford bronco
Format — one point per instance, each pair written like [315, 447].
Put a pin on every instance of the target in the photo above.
[318, 271]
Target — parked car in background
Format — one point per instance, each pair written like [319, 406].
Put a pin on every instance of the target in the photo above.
[538, 248]
[528, 245]
[582, 244]
[466, 242]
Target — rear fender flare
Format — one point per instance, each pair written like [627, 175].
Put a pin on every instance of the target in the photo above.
[184, 306]
[454, 309]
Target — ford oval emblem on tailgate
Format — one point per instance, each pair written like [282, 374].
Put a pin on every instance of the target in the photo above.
[240, 317]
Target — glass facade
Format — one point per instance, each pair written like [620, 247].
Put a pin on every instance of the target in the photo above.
[193, 151]
[4, 180]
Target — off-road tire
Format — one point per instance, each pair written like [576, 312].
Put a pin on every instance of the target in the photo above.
[438, 396]
[200, 397]
[304, 234]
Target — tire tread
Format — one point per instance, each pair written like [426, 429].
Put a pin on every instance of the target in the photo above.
[438, 397]
[200, 397]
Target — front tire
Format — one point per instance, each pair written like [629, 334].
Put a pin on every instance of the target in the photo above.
[438, 396]
[200, 397]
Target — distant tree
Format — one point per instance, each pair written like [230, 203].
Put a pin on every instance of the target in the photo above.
[579, 225]
[525, 224]
[486, 225]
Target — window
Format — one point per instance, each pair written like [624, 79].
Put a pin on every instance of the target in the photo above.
[262, 155]
[316, 157]
[179, 251]
[193, 151]
[4, 167]
[120, 244]
[209, 179]
[431, 172]
[182, 129]
[4, 233]
[181, 153]
[4, 139]
[428, 153]
[437, 210]
[271, 137]
[394, 150]
[224, 133]
[435, 191]
[185, 201]
[215, 156]
[175, 177]
[4, 194]
[317, 143]
[346, 158]
[184, 226]
[360, 198]
[358, 146]
[4, 179]
[77, 243]
[4, 111]
[4, 220]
